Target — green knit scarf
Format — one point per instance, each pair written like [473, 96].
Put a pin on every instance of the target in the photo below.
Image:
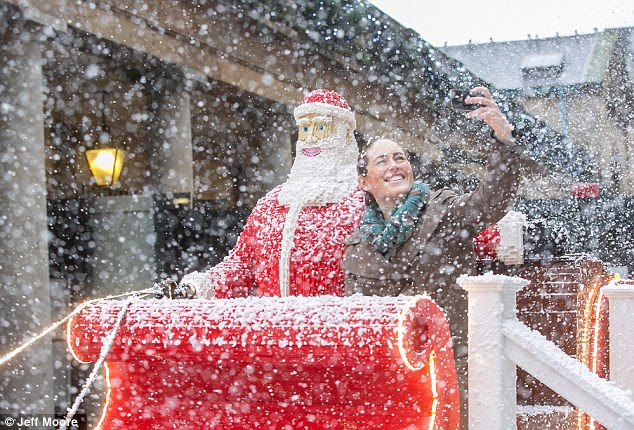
[388, 237]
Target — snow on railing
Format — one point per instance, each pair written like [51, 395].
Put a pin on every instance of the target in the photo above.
[541, 358]
[498, 342]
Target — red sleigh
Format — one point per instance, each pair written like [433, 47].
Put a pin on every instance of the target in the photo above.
[272, 363]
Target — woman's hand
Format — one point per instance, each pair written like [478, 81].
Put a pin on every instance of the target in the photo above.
[490, 113]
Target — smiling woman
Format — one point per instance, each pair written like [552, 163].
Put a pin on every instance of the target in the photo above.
[413, 240]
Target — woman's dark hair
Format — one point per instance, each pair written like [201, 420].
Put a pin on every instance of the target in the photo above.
[362, 162]
[362, 169]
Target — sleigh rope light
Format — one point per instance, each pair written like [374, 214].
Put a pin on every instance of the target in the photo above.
[313, 363]
[593, 345]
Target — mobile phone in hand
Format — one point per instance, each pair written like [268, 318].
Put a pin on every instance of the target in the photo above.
[457, 98]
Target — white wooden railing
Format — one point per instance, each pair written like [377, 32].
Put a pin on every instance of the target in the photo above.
[498, 342]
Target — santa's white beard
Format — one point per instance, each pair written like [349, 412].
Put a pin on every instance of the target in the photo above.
[325, 178]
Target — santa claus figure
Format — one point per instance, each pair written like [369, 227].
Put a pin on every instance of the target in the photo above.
[293, 241]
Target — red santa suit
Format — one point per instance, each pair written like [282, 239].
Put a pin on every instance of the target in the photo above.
[315, 256]
[294, 240]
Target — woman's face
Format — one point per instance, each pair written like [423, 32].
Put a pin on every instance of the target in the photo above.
[389, 174]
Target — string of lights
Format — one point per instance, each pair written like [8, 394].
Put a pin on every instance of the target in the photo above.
[10, 355]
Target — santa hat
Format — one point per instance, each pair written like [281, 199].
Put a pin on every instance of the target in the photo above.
[325, 102]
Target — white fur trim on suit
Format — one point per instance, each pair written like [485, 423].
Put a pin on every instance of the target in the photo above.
[288, 236]
[325, 109]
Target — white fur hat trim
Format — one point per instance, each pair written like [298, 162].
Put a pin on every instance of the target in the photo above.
[325, 109]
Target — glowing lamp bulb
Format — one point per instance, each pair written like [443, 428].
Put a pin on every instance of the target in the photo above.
[105, 165]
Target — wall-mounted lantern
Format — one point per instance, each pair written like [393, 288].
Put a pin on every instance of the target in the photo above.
[105, 165]
[105, 161]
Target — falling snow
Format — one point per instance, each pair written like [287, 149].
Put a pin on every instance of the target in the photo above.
[233, 183]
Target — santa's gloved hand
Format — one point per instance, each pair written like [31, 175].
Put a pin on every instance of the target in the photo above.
[202, 284]
[172, 290]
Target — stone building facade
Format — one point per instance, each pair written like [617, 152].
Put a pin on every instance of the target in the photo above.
[579, 85]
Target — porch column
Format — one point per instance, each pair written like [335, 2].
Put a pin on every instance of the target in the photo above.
[26, 384]
[492, 376]
[171, 157]
[621, 301]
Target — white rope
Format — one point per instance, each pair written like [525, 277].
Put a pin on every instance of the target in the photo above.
[5, 358]
[105, 349]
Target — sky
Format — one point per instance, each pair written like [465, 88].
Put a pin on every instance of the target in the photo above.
[458, 21]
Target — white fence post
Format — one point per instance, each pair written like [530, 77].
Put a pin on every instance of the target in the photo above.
[621, 308]
[492, 376]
